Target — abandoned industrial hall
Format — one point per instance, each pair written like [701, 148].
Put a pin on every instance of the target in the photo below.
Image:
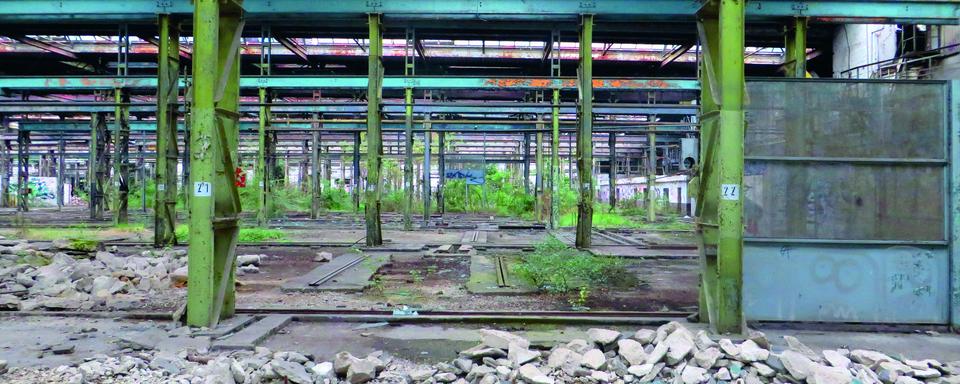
[480, 191]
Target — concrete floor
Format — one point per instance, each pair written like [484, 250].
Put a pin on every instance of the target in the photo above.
[25, 338]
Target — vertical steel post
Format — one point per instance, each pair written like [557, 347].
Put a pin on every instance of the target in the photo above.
[264, 160]
[720, 178]
[954, 205]
[408, 160]
[612, 143]
[526, 163]
[541, 204]
[651, 176]
[585, 135]
[214, 137]
[427, 148]
[355, 169]
[5, 173]
[316, 188]
[121, 160]
[555, 160]
[795, 55]
[97, 165]
[61, 170]
[441, 169]
[23, 170]
[374, 137]
[168, 73]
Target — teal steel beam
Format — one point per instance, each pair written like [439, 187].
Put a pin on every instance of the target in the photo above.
[145, 11]
[585, 136]
[165, 200]
[313, 82]
[374, 137]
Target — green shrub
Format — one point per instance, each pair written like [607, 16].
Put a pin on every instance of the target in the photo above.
[557, 268]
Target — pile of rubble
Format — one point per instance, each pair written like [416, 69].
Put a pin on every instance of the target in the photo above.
[57, 276]
[673, 354]
[670, 354]
[42, 276]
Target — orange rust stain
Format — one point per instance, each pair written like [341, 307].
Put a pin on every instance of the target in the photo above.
[540, 83]
[87, 82]
[63, 82]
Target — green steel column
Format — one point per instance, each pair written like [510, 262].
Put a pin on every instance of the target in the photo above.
[165, 200]
[441, 169]
[427, 149]
[61, 170]
[538, 181]
[585, 136]
[554, 159]
[316, 167]
[526, 163]
[215, 200]
[612, 143]
[795, 55]
[954, 205]
[706, 182]
[651, 176]
[408, 161]
[374, 138]
[355, 169]
[5, 173]
[98, 165]
[264, 169]
[23, 170]
[121, 153]
[730, 156]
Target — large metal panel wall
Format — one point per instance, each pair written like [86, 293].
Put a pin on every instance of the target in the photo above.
[846, 202]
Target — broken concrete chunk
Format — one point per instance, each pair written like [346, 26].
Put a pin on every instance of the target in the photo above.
[593, 359]
[602, 336]
[500, 339]
[631, 351]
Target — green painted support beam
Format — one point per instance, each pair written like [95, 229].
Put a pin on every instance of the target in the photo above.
[215, 201]
[612, 175]
[121, 157]
[795, 55]
[954, 205]
[585, 136]
[408, 161]
[541, 203]
[441, 169]
[425, 186]
[706, 181]
[526, 162]
[730, 166]
[23, 171]
[651, 177]
[98, 164]
[374, 136]
[316, 177]
[165, 200]
[554, 158]
[264, 173]
[5, 172]
[145, 11]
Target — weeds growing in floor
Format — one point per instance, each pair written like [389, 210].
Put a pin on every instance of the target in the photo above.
[557, 268]
[247, 235]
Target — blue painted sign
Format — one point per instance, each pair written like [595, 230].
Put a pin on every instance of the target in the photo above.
[472, 176]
